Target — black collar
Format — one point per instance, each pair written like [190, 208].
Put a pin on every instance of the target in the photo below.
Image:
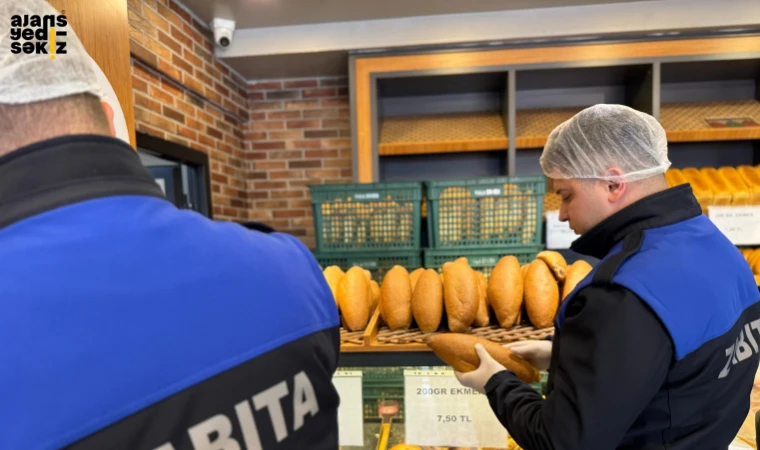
[70, 169]
[657, 210]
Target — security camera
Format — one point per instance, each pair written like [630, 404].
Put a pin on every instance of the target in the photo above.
[223, 29]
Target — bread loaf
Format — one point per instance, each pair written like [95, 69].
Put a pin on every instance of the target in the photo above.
[754, 261]
[741, 194]
[458, 351]
[699, 186]
[674, 177]
[415, 276]
[396, 299]
[541, 294]
[374, 296]
[524, 270]
[427, 301]
[556, 263]
[354, 299]
[575, 273]
[461, 296]
[483, 318]
[333, 274]
[722, 194]
[751, 177]
[505, 290]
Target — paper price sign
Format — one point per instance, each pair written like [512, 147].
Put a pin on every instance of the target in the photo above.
[350, 413]
[740, 224]
[558, 234]
[441, 412]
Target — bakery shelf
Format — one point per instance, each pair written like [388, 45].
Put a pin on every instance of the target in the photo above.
[534, 125]
[442, 133]
[731, 119]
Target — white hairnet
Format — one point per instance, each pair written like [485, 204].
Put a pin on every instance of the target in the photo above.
[27, 78]
[602, 137]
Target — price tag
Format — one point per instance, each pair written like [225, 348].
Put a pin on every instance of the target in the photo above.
[740, 224]
[441, 412]
[350, 412]
[558, 234]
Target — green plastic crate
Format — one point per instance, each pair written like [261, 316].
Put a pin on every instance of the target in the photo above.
[482, 260]
[380, 384]
[361, 217]
[377, 263]
[487, 212]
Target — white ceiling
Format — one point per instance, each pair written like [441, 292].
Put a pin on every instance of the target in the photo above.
[304, 38]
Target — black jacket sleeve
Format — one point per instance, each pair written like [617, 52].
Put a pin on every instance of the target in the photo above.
[612, 358]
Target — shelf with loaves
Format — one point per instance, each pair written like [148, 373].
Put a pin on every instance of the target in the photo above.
[404, 310]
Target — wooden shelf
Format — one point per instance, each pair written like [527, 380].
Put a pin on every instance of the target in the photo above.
[442, 133]
[377, 338]
[687, 122]
[534, 125]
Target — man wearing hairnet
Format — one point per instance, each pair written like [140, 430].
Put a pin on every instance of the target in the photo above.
[126, 323]
[658, 346]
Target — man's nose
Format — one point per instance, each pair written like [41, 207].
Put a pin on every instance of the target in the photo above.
[563, 217]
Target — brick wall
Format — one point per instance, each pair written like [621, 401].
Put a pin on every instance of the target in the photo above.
[299, 134]
[182, 94]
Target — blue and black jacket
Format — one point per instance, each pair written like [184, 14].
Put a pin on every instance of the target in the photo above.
[656, 348]
[129, 324]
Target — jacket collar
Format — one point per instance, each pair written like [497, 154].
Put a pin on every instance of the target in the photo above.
[664, 208]
[70, 169]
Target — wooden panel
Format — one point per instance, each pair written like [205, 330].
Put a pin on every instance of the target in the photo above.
[103, 28]
[365, 67]
[534, 125]
[686, 122]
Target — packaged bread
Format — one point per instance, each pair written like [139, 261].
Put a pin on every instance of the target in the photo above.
[541, 294]
[396, 299]
[460, 295]
[751, 177]
[483, 317]
[741, 194]
[354, 299]
[575, 273]
[722, 194]
[699, 186]
[505, 290]
[555, 261]
[374, 296]
[415, 275]
[333, 274]
[674, 177]
[427, 301]
[458, 351]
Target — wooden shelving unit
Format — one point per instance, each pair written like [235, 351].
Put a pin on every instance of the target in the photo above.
[690, 121]
[534, 125]
[442, 133]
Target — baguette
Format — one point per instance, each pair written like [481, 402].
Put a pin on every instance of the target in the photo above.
[483, 318]
[458, 351]
[575, 274]
[415, 276]
[555, 261]
[354, 299]
[505, 291]
[460, 295]
[427, 301]
[722, 193]
[541, 294]
[333, 274]
[739, 189]
[396, 299]
[751, 178]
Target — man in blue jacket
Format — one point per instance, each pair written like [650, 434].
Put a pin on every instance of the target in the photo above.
[127, 323]
[657, 347]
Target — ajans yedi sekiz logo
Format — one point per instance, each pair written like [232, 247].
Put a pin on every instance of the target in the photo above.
[33, 34]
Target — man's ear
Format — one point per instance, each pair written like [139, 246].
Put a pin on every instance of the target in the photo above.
[615, 189]
[109, 116]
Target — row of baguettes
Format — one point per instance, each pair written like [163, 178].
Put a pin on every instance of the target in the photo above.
[737, 186]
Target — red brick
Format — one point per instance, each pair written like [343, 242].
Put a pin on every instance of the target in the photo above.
[193, 84]
[259, 215]
[142, 53]
[307, 221]
[340, 123]
[263, 125]
[143, 115]
[257, 116]
[333, 82]
[212, 95]
[288, 154]
[272, 204]
[179, 11]
[206, 117]
[320, 133]
[325, 92]
[255, 135]
[302, 104]
[283, 95]
[344, 112]
[332, 102]
[179, 62]
[178, 140]
[139, 85]
[169, 42]
[285, 174]
[219, 178]
[185, 108]
[299, 203]
[305, 144]
[258, 106]
[193, 124]
[255, 96]
[288, 194]
[269, 165]
[172, 88]
[345, 133]
[329, 143]
[302, 184]
[145, 102]
[174, 114]
[265, 85]
[205, 79]
[266, 185]
[320, 113]
[169, 70]
[147, 75]
[257, 175]
[339, 163]
[293, 213]
[192, 59]
[238, 203]
[303, 124]
[286, 135]
[192, 32]
[211, 109]
[322, 173]
[169, 15]
[279, 115]
[321, 154]
[259, 195]
[187, 132]
[143, 128]
[346, 173]
[213, 132]
[294, 84]
[221, 89]
[304, 164]
[276, 145]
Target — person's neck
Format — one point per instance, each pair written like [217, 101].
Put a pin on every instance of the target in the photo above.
[10, 145]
